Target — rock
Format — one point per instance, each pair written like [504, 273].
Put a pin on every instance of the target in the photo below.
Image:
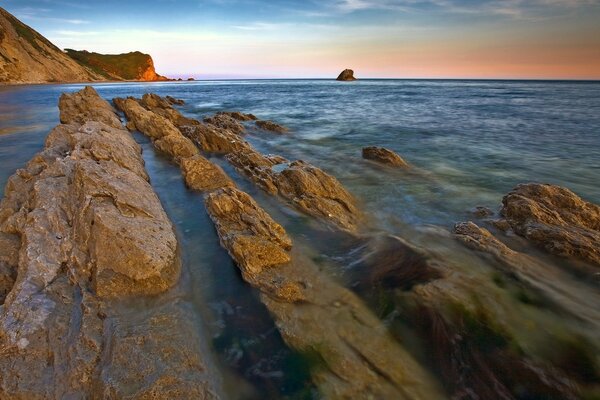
[147, 122]
[481, 239]
[312, 312]
[555, 219]
[224, 121]
[86, 105]
[92, 233]
[250, 235]
[346, 75]
[384, 156]
[238, 115]
[271, 126]
[482, 212]
[191, 79]
[214, 140]
[175, 102]
[132, 66]
[200, 174]
[176, 146]
[28, 57]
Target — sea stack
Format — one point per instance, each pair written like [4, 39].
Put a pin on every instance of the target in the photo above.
[346, 75]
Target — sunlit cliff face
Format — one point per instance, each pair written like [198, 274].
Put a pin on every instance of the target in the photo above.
[386, 38]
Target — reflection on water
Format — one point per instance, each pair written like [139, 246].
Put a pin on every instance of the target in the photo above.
[469, 143]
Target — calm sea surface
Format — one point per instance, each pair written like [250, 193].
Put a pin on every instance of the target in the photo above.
[470, 142]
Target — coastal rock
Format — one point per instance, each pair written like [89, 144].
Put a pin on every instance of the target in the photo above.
[556, 219]
[250, 235]
[132, 66]
[202, 175]
[84, 106]
[151, 124]
[383, 156]
[346, 75]
[225, 121]
[481, 239]
[175, 102]
[91, 232]
[271, 126]
[238, 115]
[28, 57]
[214, 140]
[176, 146]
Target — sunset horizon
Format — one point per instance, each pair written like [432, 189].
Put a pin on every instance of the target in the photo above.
[403, 39]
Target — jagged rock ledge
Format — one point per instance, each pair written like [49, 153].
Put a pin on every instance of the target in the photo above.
[384, 156]
[90, 233]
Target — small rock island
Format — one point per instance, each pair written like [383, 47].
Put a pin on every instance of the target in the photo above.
[346, 75]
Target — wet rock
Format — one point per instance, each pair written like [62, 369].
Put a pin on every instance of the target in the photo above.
[225, 121]
[250, 235]
[86, 105]
[200, 174]
[176, 146]
[482, 212]
[147, 122]
[314, 314]
[175, 102]
[271, 126]
[211, 140]
[384, 156]
[319, 194]
[556, 219]
[238, 115]
[90, 233]
[346, 75]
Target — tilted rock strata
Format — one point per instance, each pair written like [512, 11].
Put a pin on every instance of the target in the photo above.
[555, 219]
[384, 156]
[91, 232]
[314, 314]
[306, 187]
[272, 126]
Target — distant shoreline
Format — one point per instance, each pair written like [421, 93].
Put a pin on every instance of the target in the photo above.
[7, 84]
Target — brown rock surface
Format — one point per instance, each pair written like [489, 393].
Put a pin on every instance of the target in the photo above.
[225, 121]
[346, 75]
[84, 106]
[555, 219]
[272, 126]
[238, 115]
[383, 156]
[200, 174]
[92, 234]
[314, 314]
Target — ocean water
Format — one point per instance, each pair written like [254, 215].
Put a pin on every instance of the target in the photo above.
[469, 142]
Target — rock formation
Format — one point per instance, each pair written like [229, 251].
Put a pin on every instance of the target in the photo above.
[90, 233]
[303, 185]
[133, 66]
[555, 219]
[384, 156]
[346, 75]
[28, 57]
[271, 126]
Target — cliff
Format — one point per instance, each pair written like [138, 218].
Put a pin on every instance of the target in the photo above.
[28, 57]
[129, 66]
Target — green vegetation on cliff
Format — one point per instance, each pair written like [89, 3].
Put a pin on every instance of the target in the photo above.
[128, 66]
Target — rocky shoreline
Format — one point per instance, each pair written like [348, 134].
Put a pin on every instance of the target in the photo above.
[82, 231]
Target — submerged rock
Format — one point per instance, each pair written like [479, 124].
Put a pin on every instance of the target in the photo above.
[556, 219]
[175, 102]
[92, 234]
[271, 126]
[384, 156]
[346, 75]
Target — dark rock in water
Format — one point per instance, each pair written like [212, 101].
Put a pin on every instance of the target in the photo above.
[272, 126]
[555, 219]
[383, 156]
[191, 79]
[174, 101]
[346, 75]
[238, 115]
[482, 212]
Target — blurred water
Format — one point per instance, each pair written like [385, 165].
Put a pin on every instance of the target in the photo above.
[470, 142]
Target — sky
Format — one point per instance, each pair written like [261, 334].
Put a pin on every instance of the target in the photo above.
[539, 39]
